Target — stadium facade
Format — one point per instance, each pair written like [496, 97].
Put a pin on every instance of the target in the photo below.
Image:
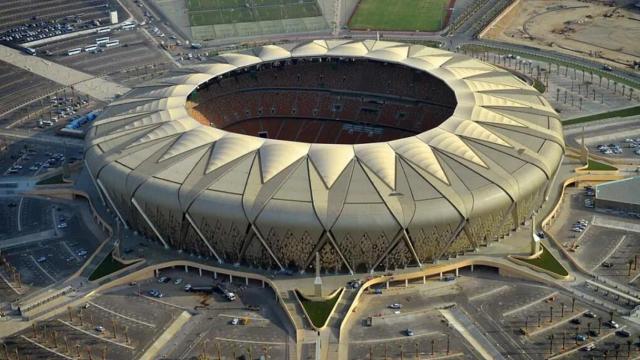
[436, 193]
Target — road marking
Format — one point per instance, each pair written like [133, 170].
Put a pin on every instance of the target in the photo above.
[466, 334]
[8, 283]
[96, 336]
[250, 341]
[46, 348]
[64, 243]
[244, 317]
[395, 338]
[513, 311]
[165, 303]
[556, 324]
[122, 316]
[490, 292]
[20, 214]
[610, 252]
[42, 269]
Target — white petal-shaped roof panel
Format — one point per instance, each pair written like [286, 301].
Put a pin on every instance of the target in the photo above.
[276, 156]
[191, 140]
[230, 148]
[272, 52]
[448, 142]
[167, 129]
[471, 129]
[314, 48]
[240, 60]
[381, 159]
[330, 160]
[419, 153]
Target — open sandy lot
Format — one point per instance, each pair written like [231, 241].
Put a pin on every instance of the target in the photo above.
[589, 29]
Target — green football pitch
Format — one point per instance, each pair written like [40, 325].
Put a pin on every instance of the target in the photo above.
[213, 12]
[400, 15]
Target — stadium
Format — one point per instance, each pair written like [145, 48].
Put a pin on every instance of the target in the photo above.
[376, 155]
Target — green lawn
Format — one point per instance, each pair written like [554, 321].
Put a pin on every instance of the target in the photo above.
[605, 115]
[598, 166]
[401, 15]
[108, 266]
[548, 262]
[215, 12]
[318, 311]
[56, 179]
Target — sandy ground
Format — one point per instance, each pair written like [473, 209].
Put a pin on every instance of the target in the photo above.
[589, 29]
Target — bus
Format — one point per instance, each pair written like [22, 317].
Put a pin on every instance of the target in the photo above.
[102, 40]
[104, 30]
[128, 26]
[91, 48]
[113, 43]
[74, 51]
[29, 51]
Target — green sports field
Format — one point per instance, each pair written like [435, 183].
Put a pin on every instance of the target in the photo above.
[216, 12]
[399, 15]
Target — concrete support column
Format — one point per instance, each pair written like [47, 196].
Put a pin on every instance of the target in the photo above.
[200, 272]
[440, 275]
[246, 281]
[387, 284]
[406, 282]
[424, 279]
[230, 278]
[471, 267]
[263, 284]
[457, 272]
[215, 275]
[186, 269]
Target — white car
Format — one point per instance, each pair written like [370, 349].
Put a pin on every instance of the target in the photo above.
[100, 328]
[178, 281]
[235, 321]
[63, 225]
[395, 306]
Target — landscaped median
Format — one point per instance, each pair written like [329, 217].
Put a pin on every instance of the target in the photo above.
[544, 262]
[108, 266]
[631, 111]
[318, 311]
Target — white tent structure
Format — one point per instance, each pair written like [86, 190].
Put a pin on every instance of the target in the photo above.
[274, 203]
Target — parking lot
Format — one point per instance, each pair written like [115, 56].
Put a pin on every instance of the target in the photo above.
[23, 22]
[115, 325]
[58, 241]
[517, 318]
[29, 159]
[261, 324]
[18, 86]
[128, 62]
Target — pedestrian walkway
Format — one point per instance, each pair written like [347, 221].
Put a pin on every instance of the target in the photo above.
[97, 88]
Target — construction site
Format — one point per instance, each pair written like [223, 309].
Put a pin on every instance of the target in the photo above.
[603, 30]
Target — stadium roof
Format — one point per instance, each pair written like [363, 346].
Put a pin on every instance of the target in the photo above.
[623, 191]
[501, 130]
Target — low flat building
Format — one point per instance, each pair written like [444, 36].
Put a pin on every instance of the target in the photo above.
[619, 195]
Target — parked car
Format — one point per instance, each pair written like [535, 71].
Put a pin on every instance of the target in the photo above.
[623, 333]
[395, 306]
[612, 324]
